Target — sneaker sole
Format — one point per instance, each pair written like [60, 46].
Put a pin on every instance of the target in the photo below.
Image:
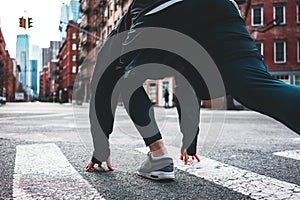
[158, 175]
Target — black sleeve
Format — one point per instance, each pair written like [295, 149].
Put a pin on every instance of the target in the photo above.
[192, 150]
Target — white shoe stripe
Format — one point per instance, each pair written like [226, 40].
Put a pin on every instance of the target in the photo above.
[42, 171]
[245, 182]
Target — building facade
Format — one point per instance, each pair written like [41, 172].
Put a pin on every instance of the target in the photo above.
[53, 80]
[98, 17]
[16, 72]
[273, 24]
[275, 27]
[54, 49]
[34, 75]
[44, 85]
[22, 57]
[68, 63]
[7, 78]
[46, 57]
[36, 54]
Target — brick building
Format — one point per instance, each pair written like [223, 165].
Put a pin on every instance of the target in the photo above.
[275, 27]
[273, 24]
[7, 79]
[44, 85]
[68, 63]
[53, 80]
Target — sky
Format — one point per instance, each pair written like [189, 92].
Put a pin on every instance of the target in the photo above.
[45, 16]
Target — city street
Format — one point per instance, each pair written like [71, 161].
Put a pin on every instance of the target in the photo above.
[46, 146]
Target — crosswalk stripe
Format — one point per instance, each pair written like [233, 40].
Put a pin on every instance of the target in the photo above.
[289, 154]
[245, 182]
[42, 171]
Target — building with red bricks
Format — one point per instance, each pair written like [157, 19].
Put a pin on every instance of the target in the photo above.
[275, 27]
[273, 24]
[7, 79]
[53, 80]
[16, 72]
[68, 63]
[44, 85]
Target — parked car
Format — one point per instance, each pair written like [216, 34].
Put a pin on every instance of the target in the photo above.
[19, 97]
[2, 100]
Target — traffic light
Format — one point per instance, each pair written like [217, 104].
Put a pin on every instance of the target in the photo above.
[22, 22]
[29, 22]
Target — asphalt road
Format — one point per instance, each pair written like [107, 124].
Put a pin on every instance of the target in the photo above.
[45, 147]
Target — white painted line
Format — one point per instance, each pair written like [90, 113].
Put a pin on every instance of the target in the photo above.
[43, 172]
[34, 137]
[38, 137]
[245, 182]
[297, 139]
[35, 116]
[289, 154]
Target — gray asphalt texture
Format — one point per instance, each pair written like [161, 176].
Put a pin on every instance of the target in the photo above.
[247, 141]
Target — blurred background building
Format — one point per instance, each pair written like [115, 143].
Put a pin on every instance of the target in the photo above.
[84, 24]
[22, 57]
[8, 72]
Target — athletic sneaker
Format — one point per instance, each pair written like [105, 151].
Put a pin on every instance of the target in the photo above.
[157, 168]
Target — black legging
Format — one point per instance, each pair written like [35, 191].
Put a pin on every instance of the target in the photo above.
[225, 37]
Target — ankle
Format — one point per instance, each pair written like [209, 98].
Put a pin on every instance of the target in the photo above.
[158, 149]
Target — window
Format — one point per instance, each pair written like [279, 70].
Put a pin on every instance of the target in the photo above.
[74, 47]
[279, 51]
[74, 58]
[74, 70]
[283, 77]
[279, 14]
[260, 47]
[103, 35]
[298, 51]
[257, 16]
[73, 35]
[298, 13]
[165, 85]
[109, 29]
[297, 80]
[152, 92]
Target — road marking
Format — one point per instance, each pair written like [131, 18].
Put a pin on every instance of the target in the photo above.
[36, 116]
[42, 171]
[245, 182]
[34, 137]
[289, 154]
[297, 139]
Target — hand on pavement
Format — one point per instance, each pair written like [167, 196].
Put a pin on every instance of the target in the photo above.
[91, 165]
[185, 157]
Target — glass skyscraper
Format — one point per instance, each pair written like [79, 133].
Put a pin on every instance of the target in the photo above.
[22, 54]
[64, 18]
[67, 13]
[34, 75]
[75, 12]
